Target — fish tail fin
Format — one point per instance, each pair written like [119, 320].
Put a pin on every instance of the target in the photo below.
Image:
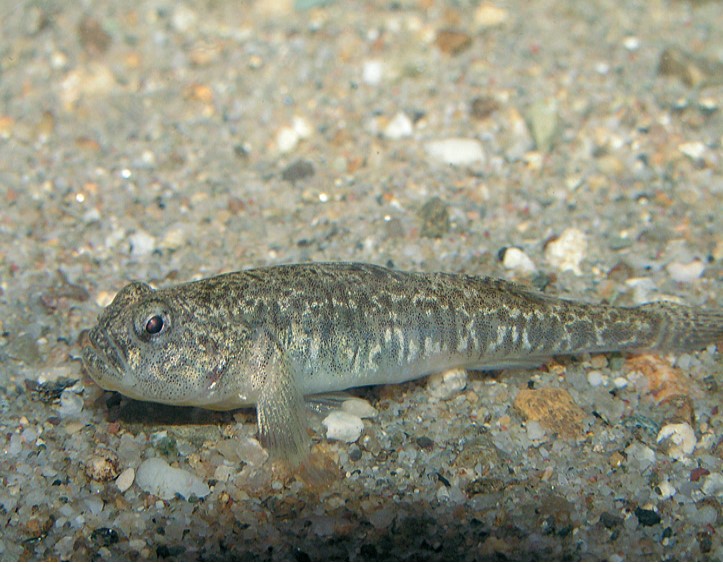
[683, 328]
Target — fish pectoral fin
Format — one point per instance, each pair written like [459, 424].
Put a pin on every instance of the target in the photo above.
[280, 405]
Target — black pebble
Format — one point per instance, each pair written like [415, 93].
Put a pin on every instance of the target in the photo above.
[647, 517]
[104, 536]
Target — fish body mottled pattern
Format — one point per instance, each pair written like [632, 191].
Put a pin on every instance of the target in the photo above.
[346, 325]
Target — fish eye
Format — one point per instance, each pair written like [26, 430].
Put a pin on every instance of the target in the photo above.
[154, 325]
[153, 321]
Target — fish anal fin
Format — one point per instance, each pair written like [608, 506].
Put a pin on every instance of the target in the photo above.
[522, 363]
[326, 402]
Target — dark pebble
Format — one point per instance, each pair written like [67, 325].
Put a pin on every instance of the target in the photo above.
[621, 272]
[484, 486]
[618, 243]
[394, 228]
[710, 384]
[540, 280]
[48, 392]
[425, 442]
[104, 536]
[705, 542]
[483, 106]
[368, 552]
[452, 41]
[690, 69]
[163, 551]
[610, 521]
[242, 150]
[698, 473]
[655, 234]
[435, 218]
[301, 556]
[298, 170]
[642, 423]
[167, 447]
[93, 38]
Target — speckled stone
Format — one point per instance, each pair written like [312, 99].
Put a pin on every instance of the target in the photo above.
[103, 465]
[554, 409]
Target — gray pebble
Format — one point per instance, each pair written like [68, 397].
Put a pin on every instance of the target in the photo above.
[435, 218]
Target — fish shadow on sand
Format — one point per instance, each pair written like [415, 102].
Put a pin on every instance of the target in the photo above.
[133, 412]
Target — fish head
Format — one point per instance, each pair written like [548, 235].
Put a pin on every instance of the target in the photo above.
[153, 345]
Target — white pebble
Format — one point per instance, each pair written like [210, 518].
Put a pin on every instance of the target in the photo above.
[359, 407]
[489, 15]
[621, 383]
[602, 68]
[456, 151]
[183, 19]
[287, 139]
[64, 548]
[641, 454]
[343, 426]
[175, 237]
[137, 544]
[141, 243]
[685, 272]
[94, 504]
[302, 127]
[694, 150]
[373, 72]
[642, 288]
[680, 439]
[16, 445]
[535, 431]
[399, 126]
[125, 480]
[157, 477]
[595, 378]
[95, 79]
[442, 494]
[383, 517]
[685, 361]
[631, 43]
[223, 473]
[114, 237]
[701, 515]
[251, 452]
[665, 489]
[567, 251]
[444, 385]
[71, 404]
[713, 484]
[517, 260]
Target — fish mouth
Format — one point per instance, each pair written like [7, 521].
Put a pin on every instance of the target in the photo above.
[104, 360]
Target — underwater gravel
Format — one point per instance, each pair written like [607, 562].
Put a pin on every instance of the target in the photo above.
[167, 141]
